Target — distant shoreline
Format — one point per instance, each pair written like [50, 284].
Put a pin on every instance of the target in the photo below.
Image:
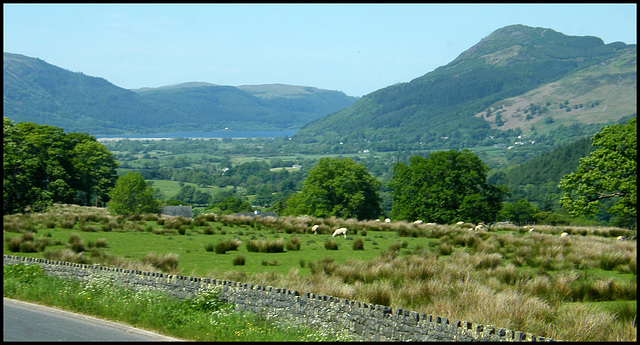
[198, 135]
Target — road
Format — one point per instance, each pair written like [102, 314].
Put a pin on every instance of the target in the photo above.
[31, 322]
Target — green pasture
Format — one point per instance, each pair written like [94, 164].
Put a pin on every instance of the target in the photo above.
[170, 188]
[195, 260]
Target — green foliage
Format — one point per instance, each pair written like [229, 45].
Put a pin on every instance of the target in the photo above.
[519, 213]
[339, 187]
[229, 205]
[132, 195]
[43, 165]
[609, 172]
[536, 180]
[444, 188]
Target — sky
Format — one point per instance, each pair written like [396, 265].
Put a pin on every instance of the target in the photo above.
[353, 48]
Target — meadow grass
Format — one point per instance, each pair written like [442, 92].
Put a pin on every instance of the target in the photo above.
[504, 277]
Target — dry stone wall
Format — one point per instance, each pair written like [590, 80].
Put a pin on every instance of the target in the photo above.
[368, 321]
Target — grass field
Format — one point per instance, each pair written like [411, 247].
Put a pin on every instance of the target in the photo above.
[579, 288]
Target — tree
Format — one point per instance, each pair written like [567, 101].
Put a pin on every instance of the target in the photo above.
[448, 186]
[43, 165]
[520, 212]
[95, 169]
[132, 195]
[609, 172]
[339, 187]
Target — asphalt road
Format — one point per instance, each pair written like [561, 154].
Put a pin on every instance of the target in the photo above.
[31, 322]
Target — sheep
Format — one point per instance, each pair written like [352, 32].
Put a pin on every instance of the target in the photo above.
[387, 220]
[620, 238]
[479, 227]
[460, 223]
[417, 222]
[531, 231]
[564, 234]
[432, 224]
[340, 231]
[314, 229]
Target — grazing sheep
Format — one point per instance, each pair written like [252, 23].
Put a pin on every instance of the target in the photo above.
[460, 223]
[314, 229]
[620, 238]
[531, 231]
[432, 224]
[417, 222]
[480, 227]
[387, 220]
[564, 234]
[340, 231]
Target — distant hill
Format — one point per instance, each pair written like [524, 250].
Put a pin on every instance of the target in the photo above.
[36, 91]
[518, 80]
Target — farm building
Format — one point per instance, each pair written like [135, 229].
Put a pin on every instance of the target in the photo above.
[184, 211]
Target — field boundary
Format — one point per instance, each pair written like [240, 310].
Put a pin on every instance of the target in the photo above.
[369, 321]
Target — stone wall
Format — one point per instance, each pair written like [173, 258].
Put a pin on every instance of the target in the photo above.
[370, 322]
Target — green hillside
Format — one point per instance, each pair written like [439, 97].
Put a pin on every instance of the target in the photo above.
[35, 91]
[440, 110]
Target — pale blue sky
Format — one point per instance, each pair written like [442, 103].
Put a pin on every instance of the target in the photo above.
[354, 48]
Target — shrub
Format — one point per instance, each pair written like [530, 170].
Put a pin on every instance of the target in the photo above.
[67, 223]
[167, 263]
[13, 243]
[445, 249]
[208, 247]
[266, 246]
[42, 243]
[101, 243]
[331, 244]
[358, 244]
[76, 243]
[225, 246]
[294, 243]
[275, 262]
[239, 260]
[27, 247]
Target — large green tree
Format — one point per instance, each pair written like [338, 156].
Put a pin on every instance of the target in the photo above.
[608, 173]
[445, 187]
[339, 187]
[43, 165]
[132, 195]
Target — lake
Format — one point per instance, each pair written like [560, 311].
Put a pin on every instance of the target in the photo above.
[198, 135]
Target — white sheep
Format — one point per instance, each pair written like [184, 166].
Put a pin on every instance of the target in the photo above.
[460, 223]
[417, 222]
[479, 227]
[531, 231]
[564, 234]
[620, 238]
[432, 224]
[340, 231]
[387, 220]
[314, 229]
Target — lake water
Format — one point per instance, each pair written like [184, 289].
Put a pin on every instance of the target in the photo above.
[200, 135]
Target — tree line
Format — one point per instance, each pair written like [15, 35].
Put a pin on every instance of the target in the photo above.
[44, 165]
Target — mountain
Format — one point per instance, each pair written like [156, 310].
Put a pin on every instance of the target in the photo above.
[246, 107]
[485, 94]
[36, 91]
